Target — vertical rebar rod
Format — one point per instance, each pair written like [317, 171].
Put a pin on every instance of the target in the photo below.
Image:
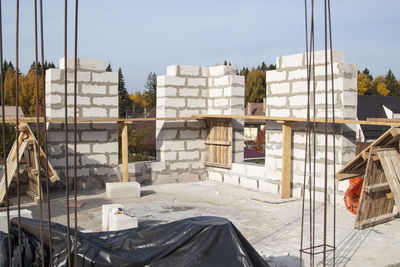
[38, 136]
[314, 131]
[4, 140]
[307, 133]
[66, 130]
[75, 134]
[333, 136]
[326, 135]
[17, 132]
[45, 138]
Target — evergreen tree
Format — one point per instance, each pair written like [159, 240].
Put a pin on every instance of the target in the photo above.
[263, 66]
[124, 105]
[151, 91]
[366, 72]
[392, 84]
[109, 69]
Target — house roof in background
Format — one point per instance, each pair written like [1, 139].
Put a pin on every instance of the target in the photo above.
[250, 153]
[254, 109]
[371, 106]
[10, 111]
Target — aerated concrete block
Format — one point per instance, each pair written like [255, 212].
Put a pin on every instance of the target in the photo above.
[123, 189]
[13, 214]
[121, 222]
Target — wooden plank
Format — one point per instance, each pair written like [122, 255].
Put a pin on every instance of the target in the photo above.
[219, 165]
[291, 119]
[388, 122]
[363, 203]
[359, 161]
[391, 164]
[11, 169]
[375, 221]
[217, 142]
[286, 159]
[376, 188]
[230, 140]
[219, 130]
[212, 130]
[343, 176]
[124, 146]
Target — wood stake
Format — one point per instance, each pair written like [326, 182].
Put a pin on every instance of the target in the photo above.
[124, 137]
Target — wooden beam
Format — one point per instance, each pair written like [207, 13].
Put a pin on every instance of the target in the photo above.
[124, 146]
[376, 188]
[375, 221]
[217, 142]
[286, 159]
[388, 122]
[343, 176]
[318, 120]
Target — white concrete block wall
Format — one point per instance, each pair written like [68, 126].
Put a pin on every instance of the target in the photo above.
[97, 143]
[184, 91]
[287, 97]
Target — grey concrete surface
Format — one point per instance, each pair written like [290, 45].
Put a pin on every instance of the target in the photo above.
[271, 225]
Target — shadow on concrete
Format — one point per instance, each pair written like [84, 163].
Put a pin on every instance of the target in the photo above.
[147, 192]
[347, 247]
[283, 261]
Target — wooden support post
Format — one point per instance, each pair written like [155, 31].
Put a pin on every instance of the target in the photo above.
[124, 137]
[286, 158]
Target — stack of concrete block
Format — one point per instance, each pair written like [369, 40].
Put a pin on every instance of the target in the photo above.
[97, 143]
[184, 91]
[287, 97]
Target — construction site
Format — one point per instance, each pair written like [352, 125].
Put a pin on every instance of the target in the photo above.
[68, 200]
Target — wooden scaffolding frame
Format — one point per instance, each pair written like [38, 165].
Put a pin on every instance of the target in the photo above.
[28, 149]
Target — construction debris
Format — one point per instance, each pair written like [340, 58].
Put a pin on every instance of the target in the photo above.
[380, 165]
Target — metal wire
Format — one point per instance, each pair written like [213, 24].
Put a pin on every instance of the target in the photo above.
[75, 134]
[45, 138]
[17, 132]
[4, 138]
[66, 130]
[38, 137]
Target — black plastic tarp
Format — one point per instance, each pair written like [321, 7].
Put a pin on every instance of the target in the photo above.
[198, 241]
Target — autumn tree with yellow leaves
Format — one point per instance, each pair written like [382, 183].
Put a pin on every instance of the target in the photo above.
[364, 84]
[26, 87]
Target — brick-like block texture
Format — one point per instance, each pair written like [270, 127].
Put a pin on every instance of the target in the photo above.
[184, 91]
[287, 97]
[97, 143]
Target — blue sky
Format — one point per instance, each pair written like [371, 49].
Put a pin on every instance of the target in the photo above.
[146, 36]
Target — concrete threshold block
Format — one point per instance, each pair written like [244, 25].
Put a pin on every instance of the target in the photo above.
[123, 189]
[13, 214]
[121, 222]
[114, 218]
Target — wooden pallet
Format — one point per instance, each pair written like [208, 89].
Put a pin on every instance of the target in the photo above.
[219, 143]
[390, 160]
[376, 201]
[29, 149]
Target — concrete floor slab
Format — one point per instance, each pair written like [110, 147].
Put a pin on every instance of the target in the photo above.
[271, 226]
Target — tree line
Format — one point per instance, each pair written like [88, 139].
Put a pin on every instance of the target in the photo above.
[26, 86]
[386, 85]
